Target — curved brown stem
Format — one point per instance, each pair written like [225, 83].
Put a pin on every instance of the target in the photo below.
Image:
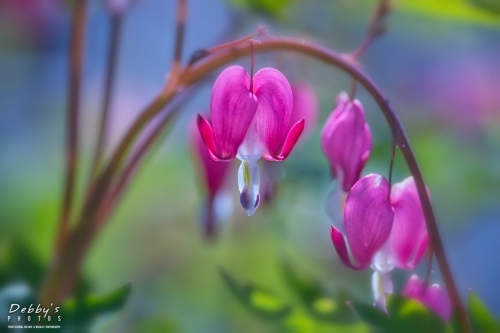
[197, 71]
[77, 40]
[112, 64]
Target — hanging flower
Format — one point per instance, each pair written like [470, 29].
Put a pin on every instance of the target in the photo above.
[382, 232]
[368, 218]
[434, 297]
[346, 141]
[250, 118]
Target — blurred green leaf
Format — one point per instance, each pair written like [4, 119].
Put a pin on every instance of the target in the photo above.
[489, 5]
[481, 11]
[81, 310]
[372, 315]
[256, 299]
[480, 317]
[409, 315]
[404, 315]
[272, 8]
[314, 298]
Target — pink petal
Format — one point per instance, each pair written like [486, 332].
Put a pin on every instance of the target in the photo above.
[341, 248]
[346, 141]
[368, 217]
[290, 141]
[232, 108]
[328, 128]
[434, 297]
[213, 172]
[408, 239]
[207, 134]
[275, 101]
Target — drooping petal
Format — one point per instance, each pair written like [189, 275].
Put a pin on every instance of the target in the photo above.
[434, 297]
[275, 102]
[214, 172]
[341, 248]
[368, 217]
[207, 135]
[290, 141]
[232, 108]
[408, 239]
[346, 141]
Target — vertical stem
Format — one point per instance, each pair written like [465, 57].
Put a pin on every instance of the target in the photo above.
[77, 39]
[252, 61]
[391, 164]
[352, 93]
[112, 63]
[179, 41]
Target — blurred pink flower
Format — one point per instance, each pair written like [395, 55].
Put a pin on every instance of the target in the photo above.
[214, 174]
[346, 141]
[305, 106]
[434, 297]
[36, 21]
[250, 118]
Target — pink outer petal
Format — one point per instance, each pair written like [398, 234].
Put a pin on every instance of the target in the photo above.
[368, 217]
[213, 172]
[274, 108]
[328, 128]
[434, 297]
[290, 141]
[207, 135]
[408, 240]
[346, 141]
[232, 108]
[341, 248]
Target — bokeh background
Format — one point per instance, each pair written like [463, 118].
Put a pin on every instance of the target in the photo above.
[438, 64]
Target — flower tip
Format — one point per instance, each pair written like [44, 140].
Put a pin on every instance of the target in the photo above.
[249, 202]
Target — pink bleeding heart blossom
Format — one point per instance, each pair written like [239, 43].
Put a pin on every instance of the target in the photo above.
[368, 218]
[346, 141]
[214, 175]
[383, 232]
[250, 118]
[434, 297]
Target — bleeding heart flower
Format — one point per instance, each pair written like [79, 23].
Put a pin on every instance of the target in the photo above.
[250, 118]
[434, 297]
[368, 218]
[346, 141]
[382, 232]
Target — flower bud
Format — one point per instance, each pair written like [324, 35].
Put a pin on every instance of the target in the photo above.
[346, 141]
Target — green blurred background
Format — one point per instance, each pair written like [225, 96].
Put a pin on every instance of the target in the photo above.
[438, 64]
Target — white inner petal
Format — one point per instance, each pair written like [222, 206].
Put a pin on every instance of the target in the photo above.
[248, 185]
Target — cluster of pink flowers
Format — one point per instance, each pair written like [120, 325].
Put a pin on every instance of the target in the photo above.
[384, 227]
